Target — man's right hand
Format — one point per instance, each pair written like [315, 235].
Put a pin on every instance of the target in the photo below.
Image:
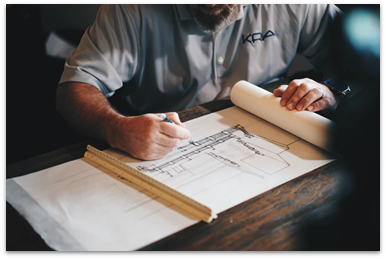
[147, 137]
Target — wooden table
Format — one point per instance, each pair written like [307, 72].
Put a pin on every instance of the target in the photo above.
[275, 220]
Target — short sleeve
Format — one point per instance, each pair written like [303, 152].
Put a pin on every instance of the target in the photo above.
[107, 54]
[315, 42]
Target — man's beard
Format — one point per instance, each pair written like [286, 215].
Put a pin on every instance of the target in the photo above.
[213, 23]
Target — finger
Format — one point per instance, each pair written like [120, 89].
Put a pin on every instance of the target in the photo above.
[154, 147]
[280, 90]
[175, 118]
[312, 96]
[297, 98]
[319, 105]
[167, 141]
[148, 149]
[291, 89]
[155, 152]
[300, 93]
[174, 130]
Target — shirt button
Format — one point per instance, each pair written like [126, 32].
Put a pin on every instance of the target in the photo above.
[220, 60]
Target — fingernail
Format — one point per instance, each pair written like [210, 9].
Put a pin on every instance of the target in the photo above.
[310, 108]
[290, 106]
[283, 102]
[299, 107]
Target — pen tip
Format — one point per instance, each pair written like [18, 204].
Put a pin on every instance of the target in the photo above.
[193, 143]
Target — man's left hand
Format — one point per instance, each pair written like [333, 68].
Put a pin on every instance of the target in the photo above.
[306, 94]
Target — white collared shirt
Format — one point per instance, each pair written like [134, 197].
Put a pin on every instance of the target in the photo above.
[158, 59]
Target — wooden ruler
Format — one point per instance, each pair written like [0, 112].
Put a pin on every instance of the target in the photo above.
[140, 179]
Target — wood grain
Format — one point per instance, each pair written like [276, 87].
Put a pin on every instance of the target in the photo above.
[272, 221]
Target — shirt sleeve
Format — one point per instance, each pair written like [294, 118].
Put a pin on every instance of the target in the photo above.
[107, 54]
[316, 36]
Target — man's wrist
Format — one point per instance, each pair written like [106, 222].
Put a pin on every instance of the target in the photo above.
[338, 88]
[112, 125]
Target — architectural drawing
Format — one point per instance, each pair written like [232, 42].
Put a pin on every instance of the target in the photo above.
[234, 149]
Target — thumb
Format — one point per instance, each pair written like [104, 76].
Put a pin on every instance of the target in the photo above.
[175, 118]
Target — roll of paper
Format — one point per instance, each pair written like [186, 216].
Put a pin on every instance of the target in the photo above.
[307, 125]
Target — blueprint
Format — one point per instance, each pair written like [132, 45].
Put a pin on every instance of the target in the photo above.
[81, 206]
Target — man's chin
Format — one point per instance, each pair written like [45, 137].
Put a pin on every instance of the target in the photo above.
[213, 21]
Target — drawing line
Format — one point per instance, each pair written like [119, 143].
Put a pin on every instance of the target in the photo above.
[191, 152]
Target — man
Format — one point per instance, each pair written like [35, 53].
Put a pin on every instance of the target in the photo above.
[165, 58]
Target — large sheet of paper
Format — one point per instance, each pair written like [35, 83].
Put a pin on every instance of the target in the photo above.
[77, 206]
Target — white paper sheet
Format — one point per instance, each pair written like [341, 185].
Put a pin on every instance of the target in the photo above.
[91, 211]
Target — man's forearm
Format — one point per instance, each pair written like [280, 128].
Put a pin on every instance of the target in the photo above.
[145, 137]
[86, 109]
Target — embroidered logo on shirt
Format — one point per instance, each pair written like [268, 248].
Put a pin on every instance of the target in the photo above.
[252, 37]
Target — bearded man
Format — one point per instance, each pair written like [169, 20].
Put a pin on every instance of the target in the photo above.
[165, 58]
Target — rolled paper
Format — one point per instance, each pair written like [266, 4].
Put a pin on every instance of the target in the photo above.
[307, 125]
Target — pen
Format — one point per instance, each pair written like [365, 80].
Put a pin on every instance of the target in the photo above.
[164, 117]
